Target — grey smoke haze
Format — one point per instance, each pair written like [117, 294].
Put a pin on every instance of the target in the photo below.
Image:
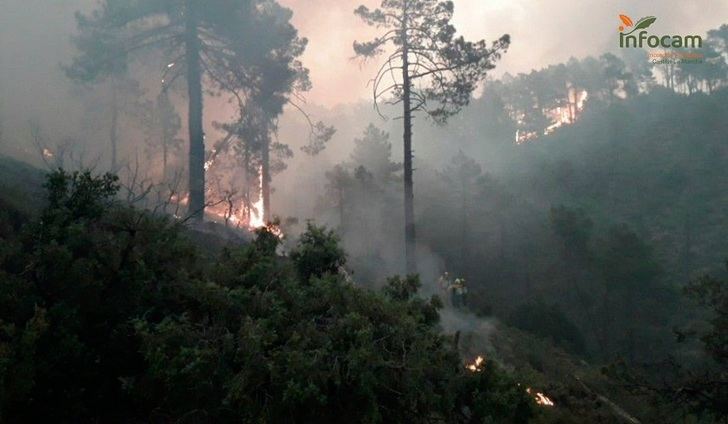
[543, 32]
[35, 39]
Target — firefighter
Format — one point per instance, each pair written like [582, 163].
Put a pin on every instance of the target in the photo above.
[444, 283]
[458, 293]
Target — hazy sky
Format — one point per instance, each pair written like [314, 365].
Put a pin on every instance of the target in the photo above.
[543, 32]
[35, 37]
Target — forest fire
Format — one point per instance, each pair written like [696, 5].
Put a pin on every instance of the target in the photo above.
[540, 398]
[569, 114]
[208, 164]
[477, 365]
[351, 211]
[257, 216]
[559, 116]
[250, 216]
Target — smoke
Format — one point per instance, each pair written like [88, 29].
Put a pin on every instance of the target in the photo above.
[473, 333]
[35, 38]
[543, 33]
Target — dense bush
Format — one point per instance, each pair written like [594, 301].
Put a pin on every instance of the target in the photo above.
[109, 314]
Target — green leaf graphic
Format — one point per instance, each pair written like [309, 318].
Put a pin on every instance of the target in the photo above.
[645, 22]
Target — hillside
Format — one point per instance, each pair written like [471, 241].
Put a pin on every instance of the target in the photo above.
[658, 162]
[533, 364]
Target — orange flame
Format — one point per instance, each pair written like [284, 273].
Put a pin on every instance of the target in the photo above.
[257, 216]
[540, 398]
[254, 219]
[477, 365]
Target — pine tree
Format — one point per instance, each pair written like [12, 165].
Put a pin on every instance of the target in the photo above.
[428, 69]
[202, 41]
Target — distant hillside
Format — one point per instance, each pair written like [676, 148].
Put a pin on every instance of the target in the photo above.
[588, 234]
[658, 162]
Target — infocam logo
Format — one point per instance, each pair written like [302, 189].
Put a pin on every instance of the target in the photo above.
[635, 35]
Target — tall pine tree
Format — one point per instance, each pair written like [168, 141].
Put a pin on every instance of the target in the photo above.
[427, 69]
[203, 41]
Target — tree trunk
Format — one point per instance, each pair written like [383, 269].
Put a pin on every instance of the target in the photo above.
[409, 209]
[166, 140]
[246, 171]
[114, 130]
[194, 91]
[164, 160]
[265, 175]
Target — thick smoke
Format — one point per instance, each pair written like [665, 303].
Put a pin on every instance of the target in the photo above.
[35, 40]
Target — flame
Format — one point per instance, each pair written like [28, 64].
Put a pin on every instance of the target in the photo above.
[559, 116]
[254, 219]
[583, 96]
[540, 398]
[211, 159]
[237, 216]
[563, 115]
[47, 153]
[257, 212]
[477, 365]
[543, 400]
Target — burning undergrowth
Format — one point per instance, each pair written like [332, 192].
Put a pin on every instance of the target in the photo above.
[473, 335]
